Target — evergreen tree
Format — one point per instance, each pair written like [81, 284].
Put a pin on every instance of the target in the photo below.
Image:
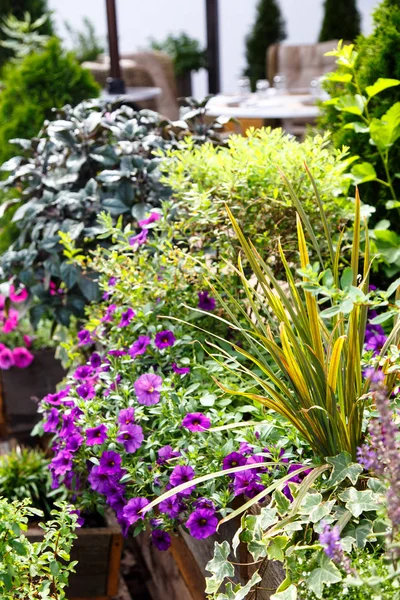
[18, 8]
[269, 28]
[342, 21]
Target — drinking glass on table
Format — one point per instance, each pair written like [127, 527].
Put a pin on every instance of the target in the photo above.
[280, 83]
[243, 86]
[262, 89]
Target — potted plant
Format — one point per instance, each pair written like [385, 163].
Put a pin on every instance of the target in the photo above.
[187, 56]
[25, 477]
[23, 349]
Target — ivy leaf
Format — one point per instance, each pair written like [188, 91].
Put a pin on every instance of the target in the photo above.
[343, 468]
[359, 532]
[219, 566]
[276, 546]
[315, 508]
[289, 594]
[359, 502]
[380, 85]
[282, 503]
[325, 574]
[238, 592]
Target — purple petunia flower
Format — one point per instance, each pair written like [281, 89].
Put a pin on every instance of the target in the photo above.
[132, 511]
[171, 506]
[61, 463]
[295, 479]
[83, 372]
[74, 442]
[108, 316]
[247, 483]
[140, 346]
[232, 460]
[99, 480]
[202, 523]
[6, 358]
[182, 474]
[160, 539]
[126, 416]
[139, 239]
[117, 353]
[205, 503]
[84, 337]
[164, 339]
[375, 342]
[96, 435]
[95, 360]
[131, 437]
[180, 370]
[22, 357]
[110, 462]
[154, 216]
[86, 391]
[166, 453]
[148, 388]
[51, 423]
[196, 422]
[245, 448]
[126, 317]
[206, 302]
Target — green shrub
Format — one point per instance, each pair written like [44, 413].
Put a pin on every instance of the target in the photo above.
[268, 29]
[87, 46]
[18, 8]
[378, 57]
[186, 53]
[245, 174]
[341, 21]
[35, 87]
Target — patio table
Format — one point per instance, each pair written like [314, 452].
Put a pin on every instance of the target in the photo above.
[132, 95]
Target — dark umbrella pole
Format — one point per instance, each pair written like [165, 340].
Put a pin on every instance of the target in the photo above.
[115, 82]
[212, 21]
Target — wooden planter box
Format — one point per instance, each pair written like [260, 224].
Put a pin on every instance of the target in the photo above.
[20, 390]
[179, 573]
[98, 552]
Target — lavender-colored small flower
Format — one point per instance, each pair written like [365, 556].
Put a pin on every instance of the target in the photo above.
[374, 375]
[206, 302]
[196, 422]
[139, 239]
[140, 346]
[180, 370]
[202, 523]
[330, 542]
[126, 317]
[131, 437]
[164, 339]
[96, 435]
[84, 337]
[160, 539]
[148, 388]
[133, 510]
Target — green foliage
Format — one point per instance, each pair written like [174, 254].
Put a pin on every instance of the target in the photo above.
[39, 569]
[87, 46]
[377, 57]
[268, 29]
[341, 21]
[185, 52]
[86, 161]
[246, 176]
[23, 37]
[24, 474]
[33, 88]
[18, 8]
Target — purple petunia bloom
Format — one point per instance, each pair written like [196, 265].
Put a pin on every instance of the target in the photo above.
[148, 388]
[160, 539]
[205, 503]
[83, 372]
[86, 391]
[74, 442]
[126, 416]
[247, 483]
[232, 460]
[196, 422]
[206, 302]
[166, 453]
[132, 511]
[182, 474]
[140, 346]
[110, 462]
[154, 216]
[96, 435]
[180, 370]
[139, 239]
[6, 358]
[22, 357]
[375, 342]
[84, 337]
[245, 448]
[126, 317]
[295, 479]
[164, 339]
[95, 360]
[117, 353]
[202, 523]
[51, 423]
[131, 437]
[99, 480]
[61, 463]
[171, 506]
[108, 316]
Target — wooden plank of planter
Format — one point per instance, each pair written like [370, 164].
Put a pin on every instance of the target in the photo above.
[98, 552]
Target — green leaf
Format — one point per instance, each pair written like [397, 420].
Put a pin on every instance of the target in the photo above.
[343, 467]
[325, 574]
[208, 399]
[276, 547]
[282, 503]
[380, 85]
[386, 130]
[346, 279]
[351, 104]
[314, 507]
[69, 274]
[359, 532]
[358, 502]
[289, 594]
[54, 568]
[357, 126]
[219, 566]
[239, 592]
[363, 172]
[88, 285]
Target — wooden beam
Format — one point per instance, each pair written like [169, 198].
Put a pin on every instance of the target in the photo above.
[212, 20]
